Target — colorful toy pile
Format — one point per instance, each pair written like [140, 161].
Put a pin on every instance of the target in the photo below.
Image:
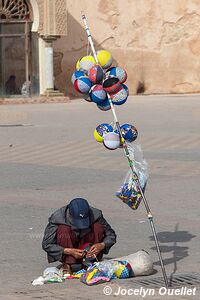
[103, 272]
[99, 81]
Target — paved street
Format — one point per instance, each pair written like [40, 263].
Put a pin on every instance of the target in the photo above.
[53, 158]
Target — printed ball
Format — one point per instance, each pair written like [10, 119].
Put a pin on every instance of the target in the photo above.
[111, 84]
[111, 141]
[83, 84]
[129, 132]
[78, 64]
[97, 94]
[76, 75]
[86, 63]
[119, 97]
[101, 131]
[87, 98]
[105, 105]
[126, 88]
[119, 73]
[96, 74]
[104, 58]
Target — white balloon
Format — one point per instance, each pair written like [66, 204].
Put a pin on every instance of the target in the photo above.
[111, 140]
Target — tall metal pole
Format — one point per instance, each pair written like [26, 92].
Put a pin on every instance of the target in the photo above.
[126, 151]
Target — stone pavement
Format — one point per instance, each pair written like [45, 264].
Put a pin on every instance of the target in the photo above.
[48, 156]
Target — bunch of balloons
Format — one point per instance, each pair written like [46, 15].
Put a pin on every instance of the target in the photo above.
[97, 81]
[106, 134]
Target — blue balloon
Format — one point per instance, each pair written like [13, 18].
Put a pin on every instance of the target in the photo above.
[104, 128]
[105, 105]
[76, 75]
[129, 132]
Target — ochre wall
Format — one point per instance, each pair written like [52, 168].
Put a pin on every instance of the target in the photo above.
[156, 41]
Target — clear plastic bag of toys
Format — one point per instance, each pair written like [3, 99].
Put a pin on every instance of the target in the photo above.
[130, 191]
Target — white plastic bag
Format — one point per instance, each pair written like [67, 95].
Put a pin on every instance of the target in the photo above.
[53, 270]
[130, 191]
[140, 263]
[51, 274]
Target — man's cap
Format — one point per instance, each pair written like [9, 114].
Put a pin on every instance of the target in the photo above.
[79, 212]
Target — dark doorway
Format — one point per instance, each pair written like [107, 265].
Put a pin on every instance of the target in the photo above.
[18, 51]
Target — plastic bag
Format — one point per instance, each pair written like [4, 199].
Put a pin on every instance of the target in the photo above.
[139, 163]
[114, 268]
[130, 191]
[53, 270]
[140, 262]
[51, 274]
[108, 267]
[38, 281]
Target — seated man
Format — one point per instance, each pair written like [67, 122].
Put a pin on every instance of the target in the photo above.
[73, 226]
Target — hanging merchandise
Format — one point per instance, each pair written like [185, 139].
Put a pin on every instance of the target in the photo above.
[111, 140]
[118, 72]
[76, 75]
[104, 58]
[119, 97]
[129, 132]
[101, 130]
[130, 192]
[133, 187]
[111, 84]
[96, 74]
[83, 84]
[86, 63]
[97, 94]
[105, 105]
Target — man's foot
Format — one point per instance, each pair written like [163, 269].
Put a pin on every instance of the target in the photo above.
[66, 269]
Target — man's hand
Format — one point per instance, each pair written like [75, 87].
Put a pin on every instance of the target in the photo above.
[76, 253]
[96, 249]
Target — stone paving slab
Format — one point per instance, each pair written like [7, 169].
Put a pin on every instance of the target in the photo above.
[53, 157]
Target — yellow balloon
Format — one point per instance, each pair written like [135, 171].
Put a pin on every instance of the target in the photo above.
[86, 63]
[78, 65]
[88, 58]
[84, 58]
[98, 137]
[104, 58]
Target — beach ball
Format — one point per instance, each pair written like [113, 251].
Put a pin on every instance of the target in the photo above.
[101, 130]
[129, 132]
[78, 64]
[87, 98]
[111, 140]
[83, 84]
[104, 58]
[105, 105]
[111, 84]
[97, 93]
[118, 72]
[76, 75]
[119, 97]
[86, 63]
[126, 88]
[96, 74]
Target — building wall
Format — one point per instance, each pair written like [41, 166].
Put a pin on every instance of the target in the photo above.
[156, 41]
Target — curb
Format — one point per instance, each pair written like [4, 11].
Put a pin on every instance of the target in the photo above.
[35, 100]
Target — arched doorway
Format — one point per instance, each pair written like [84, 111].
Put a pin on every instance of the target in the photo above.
[18, 50]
